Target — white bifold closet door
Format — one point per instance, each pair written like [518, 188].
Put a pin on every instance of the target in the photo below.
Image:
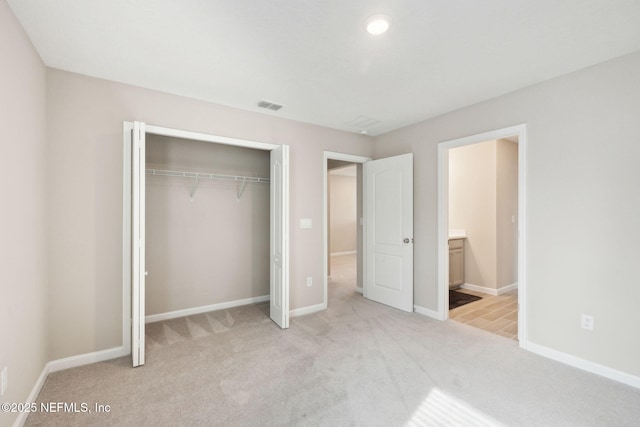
[279, 228]
[279, 288]
[138, 274]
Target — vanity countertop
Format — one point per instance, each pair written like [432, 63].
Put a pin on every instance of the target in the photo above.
[457, 234]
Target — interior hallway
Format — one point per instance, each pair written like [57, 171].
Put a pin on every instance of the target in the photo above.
[344, 277]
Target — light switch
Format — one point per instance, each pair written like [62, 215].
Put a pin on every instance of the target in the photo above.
[305, 223]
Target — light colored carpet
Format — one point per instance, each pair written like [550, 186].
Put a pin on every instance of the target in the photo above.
[358, 363]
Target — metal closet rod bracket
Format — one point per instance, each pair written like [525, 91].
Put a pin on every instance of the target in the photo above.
[193, 188]
[241, 190]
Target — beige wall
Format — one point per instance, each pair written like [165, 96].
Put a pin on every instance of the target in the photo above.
[582, 204]
[85, 180]
[506, 208]
[483, 196]
[23, 235]
[472, 207]
[343, 213]
[214, 248]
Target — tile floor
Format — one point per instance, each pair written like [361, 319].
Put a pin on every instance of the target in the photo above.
[496, 314]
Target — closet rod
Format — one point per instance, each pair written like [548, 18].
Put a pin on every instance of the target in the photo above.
[198, 175]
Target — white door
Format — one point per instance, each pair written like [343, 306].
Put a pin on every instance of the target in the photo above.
[389, 231]
[138, 243]
[279, 283]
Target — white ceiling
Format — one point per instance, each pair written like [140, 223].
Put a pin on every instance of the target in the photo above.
[316, 58]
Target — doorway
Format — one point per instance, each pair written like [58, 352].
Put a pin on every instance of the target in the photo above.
[483, 235]
[344, 218]
[134, 246]
[387, 237]
[515, 133]
[343, 259]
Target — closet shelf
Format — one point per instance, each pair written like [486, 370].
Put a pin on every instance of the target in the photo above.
[199, 175]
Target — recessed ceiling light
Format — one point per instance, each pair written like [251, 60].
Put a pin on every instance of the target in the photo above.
[378, 24]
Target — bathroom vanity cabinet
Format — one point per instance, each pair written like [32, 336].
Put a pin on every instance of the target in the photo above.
[456, 262]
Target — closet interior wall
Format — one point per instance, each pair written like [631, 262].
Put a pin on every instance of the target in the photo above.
[206, 243]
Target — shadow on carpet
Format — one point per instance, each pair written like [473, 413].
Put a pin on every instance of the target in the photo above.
[457, 299]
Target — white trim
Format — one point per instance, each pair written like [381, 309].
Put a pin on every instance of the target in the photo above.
[490, 291]
[33, 396]
[204, 309]
[508, 288]
[325, 221]
[359, 290]
[196, 136]
[344, 253]
[585, 365]
[426, 312]
[353, 158]
[66, 363]
[443, 220]
[87, 359]
[307, 310]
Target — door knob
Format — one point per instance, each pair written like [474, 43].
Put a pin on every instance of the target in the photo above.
[406, 240]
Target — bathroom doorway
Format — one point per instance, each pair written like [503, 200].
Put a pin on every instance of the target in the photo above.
[481, 217]
[483, 235]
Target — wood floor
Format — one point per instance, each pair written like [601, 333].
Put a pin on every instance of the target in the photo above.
[496, 314]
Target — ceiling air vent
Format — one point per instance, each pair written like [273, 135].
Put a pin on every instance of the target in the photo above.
[269, 105]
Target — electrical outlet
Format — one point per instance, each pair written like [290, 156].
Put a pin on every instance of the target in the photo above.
[309, 281]
[5, 381]
[587, 322]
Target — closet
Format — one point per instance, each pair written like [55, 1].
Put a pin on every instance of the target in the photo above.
[207, 226]
[209, 231]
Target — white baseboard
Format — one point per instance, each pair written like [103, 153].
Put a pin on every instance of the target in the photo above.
[66, 363]
[204, 309]
[585, 365]
[426, 312]
[508, 288]
[343, 253]
[87, 358]
[33, 396]
[359, 290]
[307, 310]
[490, 291]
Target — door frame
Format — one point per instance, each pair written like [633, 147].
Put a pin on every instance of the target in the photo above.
[128, 127]
[443, 219]
[331, 155]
